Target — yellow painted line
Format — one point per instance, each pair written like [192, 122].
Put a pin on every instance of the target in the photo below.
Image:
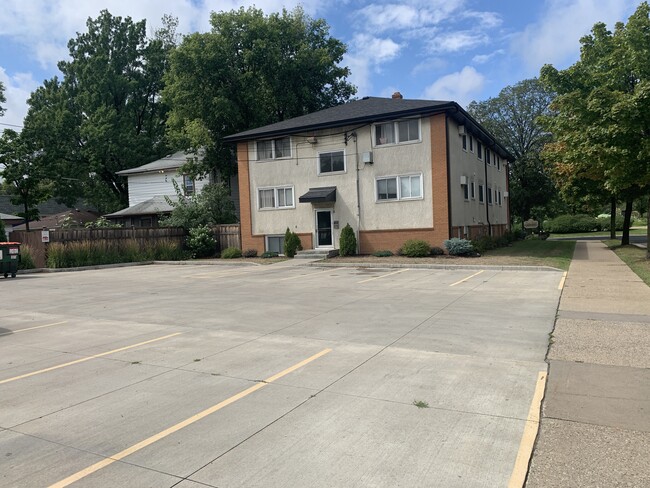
[310, 274]
[468, 278]
[384, 276]
[33, 328]
[88, 358]
[531, 428]
[561, 285]
[175, 428]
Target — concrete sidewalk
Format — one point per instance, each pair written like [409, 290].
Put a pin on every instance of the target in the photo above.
[595, 426]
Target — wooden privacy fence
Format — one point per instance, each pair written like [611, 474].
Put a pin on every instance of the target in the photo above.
[225, 235]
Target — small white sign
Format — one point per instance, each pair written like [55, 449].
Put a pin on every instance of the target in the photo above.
[45, 236]
[531, 224]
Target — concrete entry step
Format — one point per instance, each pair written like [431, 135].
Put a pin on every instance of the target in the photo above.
[316, 253]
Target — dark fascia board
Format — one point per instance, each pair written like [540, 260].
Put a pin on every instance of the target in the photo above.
[452, 109]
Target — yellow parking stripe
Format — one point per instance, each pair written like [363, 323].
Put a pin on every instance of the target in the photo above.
[384, 276]
[465, 279]
[531, 427]
[561, 285]
[88, 358]
[175, 428]
[33, 328]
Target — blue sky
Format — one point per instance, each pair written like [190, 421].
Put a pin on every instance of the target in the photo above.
[460, 50]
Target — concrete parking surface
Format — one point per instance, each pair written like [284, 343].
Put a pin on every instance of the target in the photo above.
[273, 376]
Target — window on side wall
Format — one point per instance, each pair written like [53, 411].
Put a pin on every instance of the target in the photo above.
[479, 150]
[397, 132]
[188, 185]
[465, 188]
[274, 149]
[498, 161]
[487, 156]
[481, 196]
[500, 198]
[464, 142]
[489, 195]
[473, 190]
[278, 197]
[331, 162]
[471, 143]
[404, 187]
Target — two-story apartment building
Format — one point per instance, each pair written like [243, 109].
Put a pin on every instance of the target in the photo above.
[393, 169]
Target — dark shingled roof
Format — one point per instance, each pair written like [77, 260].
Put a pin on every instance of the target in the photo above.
[366, 111]
[153, 206]
[49, 207]
[171, 161]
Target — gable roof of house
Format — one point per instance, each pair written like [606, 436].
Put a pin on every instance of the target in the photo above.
[171, 161]
[48, 207]
[78, 217]
[365, 111]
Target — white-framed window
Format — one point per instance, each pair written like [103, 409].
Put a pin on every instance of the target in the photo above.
[473, 190]
[274, 148]
[397, 132]
[481, 193]
[489, 195]
[465, 188]
[487, 156]
[471, 143]
[464, 142]
[499, 200]
[496, 156]
[402, 187]
[479, 150]
[275, 243]
[188, 185]
[331, 162]
[275, 197]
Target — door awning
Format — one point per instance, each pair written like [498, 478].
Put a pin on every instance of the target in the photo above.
[319, 195]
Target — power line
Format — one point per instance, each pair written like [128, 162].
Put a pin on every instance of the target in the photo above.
[12, 125]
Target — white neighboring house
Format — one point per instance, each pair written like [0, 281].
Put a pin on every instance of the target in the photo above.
[149, 185]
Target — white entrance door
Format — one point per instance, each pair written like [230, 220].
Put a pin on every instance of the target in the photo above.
[324, 228]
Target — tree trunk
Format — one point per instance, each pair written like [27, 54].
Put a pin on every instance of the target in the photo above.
[612, 219]
[625, 239]
[25, 207]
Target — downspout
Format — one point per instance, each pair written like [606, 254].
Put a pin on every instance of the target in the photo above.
[356, 163]
[485, 195]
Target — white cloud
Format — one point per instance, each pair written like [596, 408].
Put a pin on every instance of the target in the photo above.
[460, 87]
[366, 56]
[18, 88]
[484, 58]
[457, 41]
[555, 37]
[407, 15]
[486, 20]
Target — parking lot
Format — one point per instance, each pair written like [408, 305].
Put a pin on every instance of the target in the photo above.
[269, 376]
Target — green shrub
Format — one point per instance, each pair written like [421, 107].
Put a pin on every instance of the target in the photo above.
[437, 251]
[484, 243]
[291, 243]
[347, 242]
[605, 222]
[201, 242]
[3, 234]
[415, 248]
[459, 247]
[565, 224]
[269, 254]
[250, 253]
[231, 253]
[382, 254]
[26, 258]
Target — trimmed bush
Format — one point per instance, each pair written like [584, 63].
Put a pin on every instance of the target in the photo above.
[250, 253]
[459, 247]
[415, 248]
[269, 254]
[26, 259]
[564, 224]
[437, 251]
[291, 243]
[484, 243]
[382, 254]
[605, 222]
[231, 253]
[201, 242]
[347, 242]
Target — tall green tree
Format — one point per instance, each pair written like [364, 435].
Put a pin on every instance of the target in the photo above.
[601, 116]
[250, 70]
[513, 118]
[3, 99]
[106, 113]
[22, 174]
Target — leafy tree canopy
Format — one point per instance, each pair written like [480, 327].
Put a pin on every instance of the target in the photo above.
[601, 115]
[513, 118]
[3, 99]
[105, 114]
[250, 70]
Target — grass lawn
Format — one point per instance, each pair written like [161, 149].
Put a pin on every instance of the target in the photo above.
[634, 257]
[556, 254]
[605, 234]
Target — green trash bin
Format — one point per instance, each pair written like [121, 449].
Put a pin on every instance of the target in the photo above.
[9, 258]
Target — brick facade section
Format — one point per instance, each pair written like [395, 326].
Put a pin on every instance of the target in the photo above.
[391, 240]
[476, 231]
[248, 240]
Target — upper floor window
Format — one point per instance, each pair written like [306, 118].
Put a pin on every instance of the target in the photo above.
[498, 161]
[479, 150]
[274, 148]
[487, 156]
[464, 142]
[404, 187]
[397, 132]
[188, 185]
[278, 197]
[481, 197]
[331, 162]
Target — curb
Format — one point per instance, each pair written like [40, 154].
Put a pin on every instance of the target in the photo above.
[434, 266]
[83, 268]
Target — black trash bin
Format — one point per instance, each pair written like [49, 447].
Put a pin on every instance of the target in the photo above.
[9, 258]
